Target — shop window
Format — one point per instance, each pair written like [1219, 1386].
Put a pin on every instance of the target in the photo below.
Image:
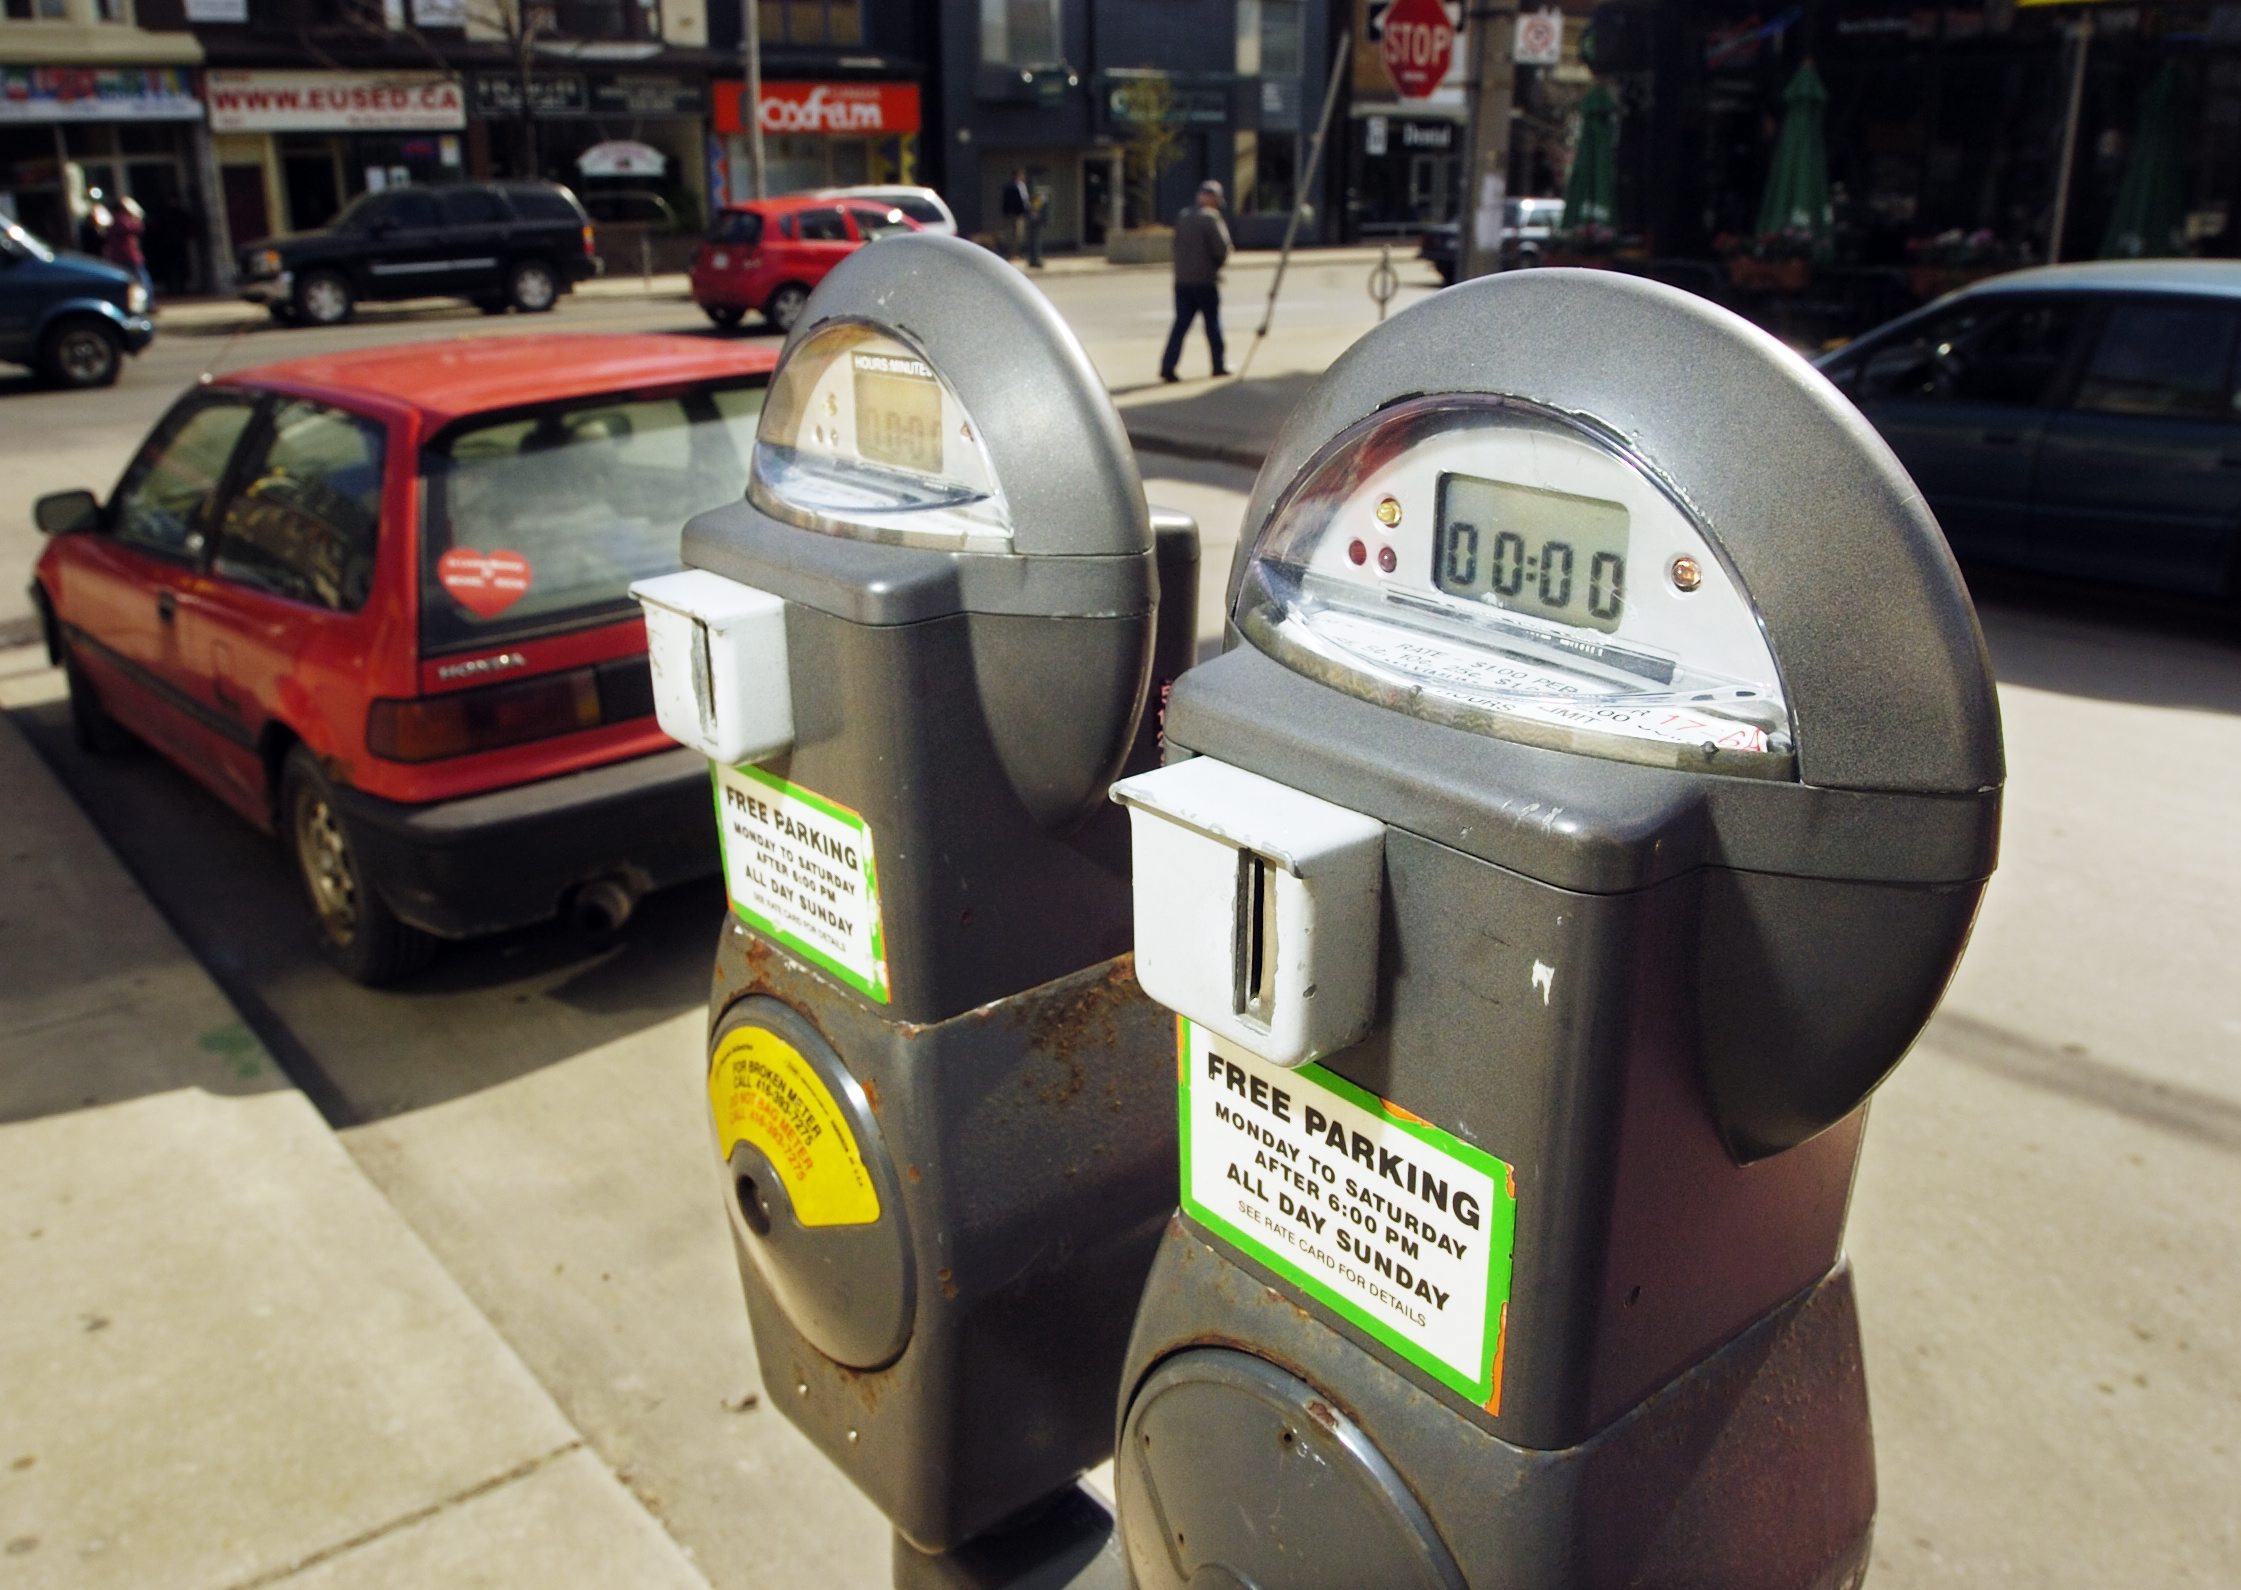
[1268, 38]
[1019, 33]
[603, 19]
[811, 21]
[112, 10]
[1267, 172]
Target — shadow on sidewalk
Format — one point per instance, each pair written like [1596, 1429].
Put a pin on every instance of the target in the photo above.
[488, 1011]
[1229, 419]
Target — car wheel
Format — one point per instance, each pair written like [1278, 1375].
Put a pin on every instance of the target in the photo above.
[725, 316]
[357, 931]
[324, 299]
[96, 732]
[82, 353]
[530, 287]
[785, 305]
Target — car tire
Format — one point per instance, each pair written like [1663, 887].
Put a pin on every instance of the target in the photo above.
[725, 317]
[1447, 275]
[531, 286]
[96, 733]
[356, 931]
[324, 298]
[785, 305]
[81, 353]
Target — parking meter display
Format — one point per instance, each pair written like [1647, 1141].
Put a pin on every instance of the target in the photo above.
[1490, 564]
[1546, 552]
[862, 437]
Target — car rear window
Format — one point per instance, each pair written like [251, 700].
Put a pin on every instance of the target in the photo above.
[540, 519]
[920, 210]
[740, 226]
[542, 204]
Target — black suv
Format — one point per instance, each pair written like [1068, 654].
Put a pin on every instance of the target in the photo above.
[500, 245]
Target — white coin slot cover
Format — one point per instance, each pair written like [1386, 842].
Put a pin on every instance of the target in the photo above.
[718, 653]
[1256, 907]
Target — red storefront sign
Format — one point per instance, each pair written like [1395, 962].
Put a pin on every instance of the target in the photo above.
[867, 109]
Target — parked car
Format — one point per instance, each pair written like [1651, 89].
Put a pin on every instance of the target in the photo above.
[377, 602]
[2080, 420]
[501, 245]
[922, 205]
[768, 254]
[70, 318]
[1527, 226]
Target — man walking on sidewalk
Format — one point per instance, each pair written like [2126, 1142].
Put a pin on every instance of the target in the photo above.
[1201, 245]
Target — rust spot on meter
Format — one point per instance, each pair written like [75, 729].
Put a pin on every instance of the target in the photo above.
[871, 1093]
[1320, 1412]
[949, 1285]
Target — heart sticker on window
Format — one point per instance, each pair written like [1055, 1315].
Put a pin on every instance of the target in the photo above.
[484, 583]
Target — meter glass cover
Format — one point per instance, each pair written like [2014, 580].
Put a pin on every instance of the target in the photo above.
[861, 436]
[1490, 564]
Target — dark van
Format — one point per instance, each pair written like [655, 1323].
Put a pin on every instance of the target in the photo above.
[500, 245]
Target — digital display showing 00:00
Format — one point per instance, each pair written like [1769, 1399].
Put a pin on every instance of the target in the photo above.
[898, 412]
[1542, 552]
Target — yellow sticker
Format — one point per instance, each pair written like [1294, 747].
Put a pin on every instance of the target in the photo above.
[763, 1092]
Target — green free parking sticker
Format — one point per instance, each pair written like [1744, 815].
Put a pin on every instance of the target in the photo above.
[1401, 1229]
[798, 868]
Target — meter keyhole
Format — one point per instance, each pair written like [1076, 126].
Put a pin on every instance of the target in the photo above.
[1253, 989]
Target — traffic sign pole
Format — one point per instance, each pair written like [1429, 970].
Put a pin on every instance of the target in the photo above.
[1491, 28]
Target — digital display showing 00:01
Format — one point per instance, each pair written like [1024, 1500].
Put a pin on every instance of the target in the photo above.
[1542, 552]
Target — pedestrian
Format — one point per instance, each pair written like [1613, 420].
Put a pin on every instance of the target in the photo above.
[1018, 205]
[93, 226]
[120, 245]
[1038, 211]
[1201, 245]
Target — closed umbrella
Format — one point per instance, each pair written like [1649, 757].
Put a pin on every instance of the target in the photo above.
[1591, 189]
[1797, 188]
[2150, 202]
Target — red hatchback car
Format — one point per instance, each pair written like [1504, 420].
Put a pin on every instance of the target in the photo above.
[379, 602]
[767, 255]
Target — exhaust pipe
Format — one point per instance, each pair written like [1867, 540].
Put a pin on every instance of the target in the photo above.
[603, 905]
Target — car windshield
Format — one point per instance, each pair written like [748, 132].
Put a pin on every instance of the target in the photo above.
[21, 240]
[541, 519]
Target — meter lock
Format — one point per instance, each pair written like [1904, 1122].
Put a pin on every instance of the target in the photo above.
[815, 1207]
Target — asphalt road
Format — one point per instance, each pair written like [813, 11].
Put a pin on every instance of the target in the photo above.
[2045, 1224]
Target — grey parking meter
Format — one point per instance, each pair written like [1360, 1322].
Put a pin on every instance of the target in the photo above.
[917, 655]
[1587, 813]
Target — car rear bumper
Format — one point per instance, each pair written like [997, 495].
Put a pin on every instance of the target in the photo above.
[512, 857]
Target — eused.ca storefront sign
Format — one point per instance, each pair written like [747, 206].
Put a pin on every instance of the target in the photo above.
[334, 102]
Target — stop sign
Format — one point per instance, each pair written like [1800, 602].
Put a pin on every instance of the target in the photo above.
[1419, 43]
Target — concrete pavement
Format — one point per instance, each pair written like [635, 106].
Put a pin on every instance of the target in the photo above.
[227, 1360]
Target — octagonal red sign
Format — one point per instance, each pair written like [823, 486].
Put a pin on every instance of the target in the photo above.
[1418, 45]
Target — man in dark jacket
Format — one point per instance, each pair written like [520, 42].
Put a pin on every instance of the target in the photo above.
[1201, 245]
[1019, 204]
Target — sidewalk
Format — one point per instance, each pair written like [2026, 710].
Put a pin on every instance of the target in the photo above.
[225, 1359]
[202, 317]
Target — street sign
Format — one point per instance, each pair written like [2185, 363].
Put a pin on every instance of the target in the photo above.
[1540, 38]
[1418, 45]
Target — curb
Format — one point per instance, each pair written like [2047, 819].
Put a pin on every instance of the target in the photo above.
[1146, 439]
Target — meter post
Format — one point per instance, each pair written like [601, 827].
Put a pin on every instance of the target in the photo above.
[1588, 811]
[916, 656]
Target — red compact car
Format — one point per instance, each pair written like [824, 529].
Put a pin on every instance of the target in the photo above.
[378, 602]
[767, 255]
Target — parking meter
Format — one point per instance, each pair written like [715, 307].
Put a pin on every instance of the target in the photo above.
[1588, 811]
[917, 655]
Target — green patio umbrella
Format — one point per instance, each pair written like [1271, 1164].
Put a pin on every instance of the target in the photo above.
[1797, 188]
[2150, 202]
[1591, 189]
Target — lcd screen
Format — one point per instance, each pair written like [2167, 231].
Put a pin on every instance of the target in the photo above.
[898, 412]
[1547, 553]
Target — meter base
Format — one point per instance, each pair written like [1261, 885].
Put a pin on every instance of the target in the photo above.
[1753, 1469]
[1033, 1149]
[1068, 1544]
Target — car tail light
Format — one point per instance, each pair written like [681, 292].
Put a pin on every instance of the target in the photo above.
[430, 728]
[589, 250]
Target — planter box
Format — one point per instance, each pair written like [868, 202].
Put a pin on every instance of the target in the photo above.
[1935, 281]
[1143, 245]
[1769, 275]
